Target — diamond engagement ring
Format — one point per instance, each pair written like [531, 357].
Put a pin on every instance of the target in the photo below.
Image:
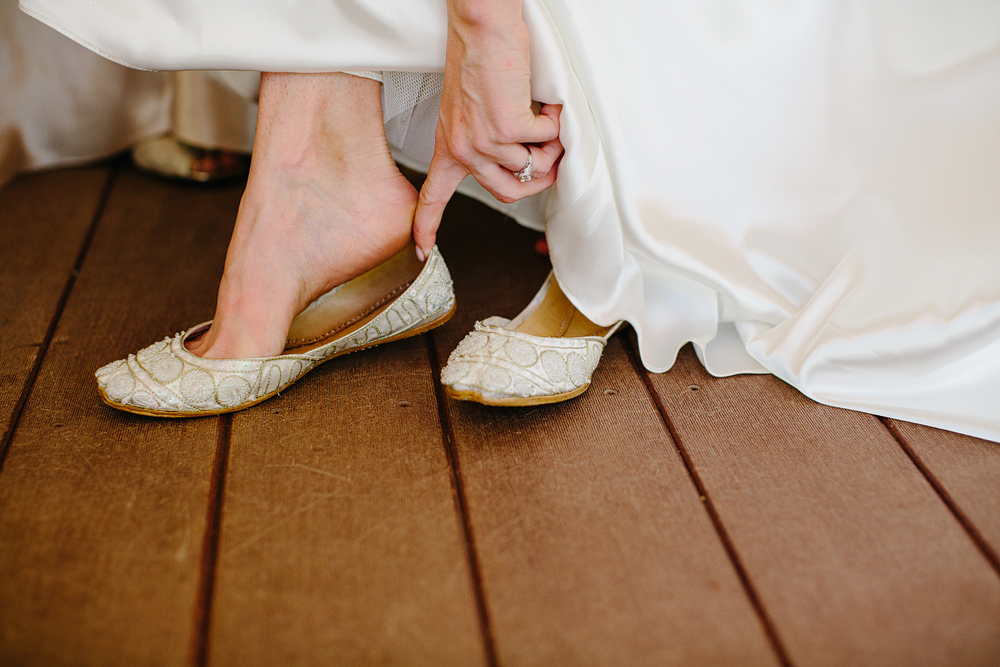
[525, 174]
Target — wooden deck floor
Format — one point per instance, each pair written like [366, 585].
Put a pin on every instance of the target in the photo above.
[362, 518]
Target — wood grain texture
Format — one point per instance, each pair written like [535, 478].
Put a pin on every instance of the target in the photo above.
[102, 513]
[44, 219]
[853, 554]
[968, 472]
[593, 544]
[340, 542]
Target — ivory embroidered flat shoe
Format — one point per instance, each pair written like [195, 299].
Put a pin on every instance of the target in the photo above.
[397, 299]
[544, 355]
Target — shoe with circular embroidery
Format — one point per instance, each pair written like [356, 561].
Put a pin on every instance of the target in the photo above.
[544, 355]
[398, 299]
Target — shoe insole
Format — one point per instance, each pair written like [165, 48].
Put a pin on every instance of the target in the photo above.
[557, 317]
[354, 304]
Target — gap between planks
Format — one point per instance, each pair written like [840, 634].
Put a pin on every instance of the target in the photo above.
[43, 348]
[977, 537]
[210, 544]
[734, 558]
[461, 505]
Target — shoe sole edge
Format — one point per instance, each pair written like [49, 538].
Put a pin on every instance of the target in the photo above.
[513, 401]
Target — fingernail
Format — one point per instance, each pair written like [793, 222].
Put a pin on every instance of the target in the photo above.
[420, 255]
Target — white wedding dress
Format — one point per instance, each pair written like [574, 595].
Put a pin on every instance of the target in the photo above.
[62, 105]
[809, 188]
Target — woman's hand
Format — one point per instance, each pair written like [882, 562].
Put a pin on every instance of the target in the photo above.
[487, 126]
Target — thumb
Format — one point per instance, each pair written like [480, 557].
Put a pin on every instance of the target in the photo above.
[443, 177]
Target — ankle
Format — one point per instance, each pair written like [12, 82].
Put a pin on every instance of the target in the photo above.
[305, 117]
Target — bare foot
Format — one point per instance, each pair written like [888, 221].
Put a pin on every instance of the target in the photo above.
[324, 203]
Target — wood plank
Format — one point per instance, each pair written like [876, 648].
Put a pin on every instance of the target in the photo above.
[102, 513]
[44, 219]
[594, 546]
[967, 471]
[854, 556]
[340, 543]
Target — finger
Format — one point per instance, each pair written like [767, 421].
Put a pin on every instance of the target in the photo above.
[544, 127]
[514, 157]
[544, 157]
[443, 177]
[503, 185]
[510, 151]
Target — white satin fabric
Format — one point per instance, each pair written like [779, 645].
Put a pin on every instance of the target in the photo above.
[61, 104]
[809, 188]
